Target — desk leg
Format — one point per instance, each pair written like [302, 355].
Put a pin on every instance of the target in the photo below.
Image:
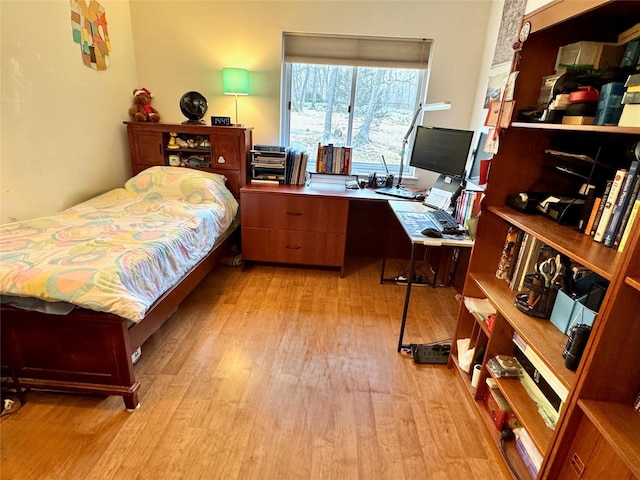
[407, 296]
[385, 248]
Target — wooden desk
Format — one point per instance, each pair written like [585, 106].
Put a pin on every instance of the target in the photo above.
[409, 215]
[305, 225]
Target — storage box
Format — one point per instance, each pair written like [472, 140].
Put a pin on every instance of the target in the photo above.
[498, 408]
[610, 104]
[577, 120]
[568, 311]
[598, 55]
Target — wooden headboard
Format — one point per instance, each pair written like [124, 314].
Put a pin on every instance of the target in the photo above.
[222, 150]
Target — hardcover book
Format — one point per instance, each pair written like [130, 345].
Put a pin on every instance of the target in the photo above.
[610, 203]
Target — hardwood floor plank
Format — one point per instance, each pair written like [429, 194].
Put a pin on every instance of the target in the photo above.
[271, 373]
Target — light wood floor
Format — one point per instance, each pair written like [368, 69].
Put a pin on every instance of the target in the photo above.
[271, 373]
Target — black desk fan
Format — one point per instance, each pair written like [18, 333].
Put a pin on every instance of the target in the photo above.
[193, 105]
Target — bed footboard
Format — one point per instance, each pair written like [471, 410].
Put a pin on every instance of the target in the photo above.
[83, 352]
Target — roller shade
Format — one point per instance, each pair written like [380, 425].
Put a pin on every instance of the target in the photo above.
[355, 50]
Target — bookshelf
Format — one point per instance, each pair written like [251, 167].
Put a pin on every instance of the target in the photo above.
[596, 435]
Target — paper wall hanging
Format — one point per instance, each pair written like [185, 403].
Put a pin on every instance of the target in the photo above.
[89, 28]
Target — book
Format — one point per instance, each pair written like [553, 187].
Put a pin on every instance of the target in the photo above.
[629, 227]
[596, 221]
[520, 259]
[610, 203]
[621, 204]
[302, 174]
[329, 166]
[592, 217]
[553, 381]
[514, 235]
[530, 455]
[587, 210]
[530, 253]
[539, 382]
[627, 212]
[347, 160]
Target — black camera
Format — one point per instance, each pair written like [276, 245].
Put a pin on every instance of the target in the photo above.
[578, 336]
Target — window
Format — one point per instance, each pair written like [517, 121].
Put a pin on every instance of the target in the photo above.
[352, 91]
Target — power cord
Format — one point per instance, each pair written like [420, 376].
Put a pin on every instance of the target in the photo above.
[506, 434]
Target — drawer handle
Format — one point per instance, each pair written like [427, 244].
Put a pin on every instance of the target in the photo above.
[296, 214]
[577, 465]
[293, 247]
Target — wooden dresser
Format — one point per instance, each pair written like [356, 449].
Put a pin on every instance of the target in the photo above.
[223, 150]
[283, 224]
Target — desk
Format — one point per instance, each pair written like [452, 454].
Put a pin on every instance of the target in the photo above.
[410, 216]
[305, 225]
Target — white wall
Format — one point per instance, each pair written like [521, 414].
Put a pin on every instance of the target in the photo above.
[62, 138]
[183, 45]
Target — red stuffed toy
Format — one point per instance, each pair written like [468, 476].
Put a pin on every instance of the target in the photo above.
[142, 111]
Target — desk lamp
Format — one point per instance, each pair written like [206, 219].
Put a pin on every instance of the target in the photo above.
[428, 107]
[235, 81]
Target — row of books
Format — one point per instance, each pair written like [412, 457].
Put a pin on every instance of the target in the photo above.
[468, 205]
[611, 215]
[296, 168]
[333, 159]
[520, 255]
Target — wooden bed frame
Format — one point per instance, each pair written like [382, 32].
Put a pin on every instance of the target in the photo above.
[86, 351]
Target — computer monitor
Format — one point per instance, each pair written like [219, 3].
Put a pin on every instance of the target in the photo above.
[441, 150]
[478, 155]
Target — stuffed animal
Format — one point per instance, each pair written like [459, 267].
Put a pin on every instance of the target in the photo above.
[142, 111]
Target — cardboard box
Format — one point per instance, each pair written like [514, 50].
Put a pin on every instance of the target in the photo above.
[630, 34]
[598, 55]
[577, 120]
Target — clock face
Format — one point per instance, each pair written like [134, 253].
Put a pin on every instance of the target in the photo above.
[524, 32]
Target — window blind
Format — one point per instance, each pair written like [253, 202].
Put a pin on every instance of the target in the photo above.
[358, 51]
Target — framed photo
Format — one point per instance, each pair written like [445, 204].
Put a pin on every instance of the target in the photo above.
[494, 112]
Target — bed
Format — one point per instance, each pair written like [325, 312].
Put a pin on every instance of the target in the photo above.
[83, 289]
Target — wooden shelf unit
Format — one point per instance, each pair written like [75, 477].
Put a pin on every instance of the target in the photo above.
[597, 434]
[227, 152]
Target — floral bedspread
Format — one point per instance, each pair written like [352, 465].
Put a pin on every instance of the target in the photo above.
[120, 251]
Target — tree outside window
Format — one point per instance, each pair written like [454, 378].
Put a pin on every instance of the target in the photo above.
[367, 108]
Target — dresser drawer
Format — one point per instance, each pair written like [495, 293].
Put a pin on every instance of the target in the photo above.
[293, 246]
[294, 212]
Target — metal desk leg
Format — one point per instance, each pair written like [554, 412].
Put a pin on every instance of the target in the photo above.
[412, 268]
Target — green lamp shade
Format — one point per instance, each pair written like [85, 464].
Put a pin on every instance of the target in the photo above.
[235, 81]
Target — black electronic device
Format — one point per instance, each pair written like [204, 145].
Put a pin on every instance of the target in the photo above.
[193, 105]
[578, 336]
[564, 210]
[431, 232]
[441, 150]
[430, 354]
[444, 222]
[526, 202]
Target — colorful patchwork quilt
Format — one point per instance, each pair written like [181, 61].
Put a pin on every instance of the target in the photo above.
[120, 251]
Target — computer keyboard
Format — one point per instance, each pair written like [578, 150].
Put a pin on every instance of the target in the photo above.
[397, 192]
[443, 221]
